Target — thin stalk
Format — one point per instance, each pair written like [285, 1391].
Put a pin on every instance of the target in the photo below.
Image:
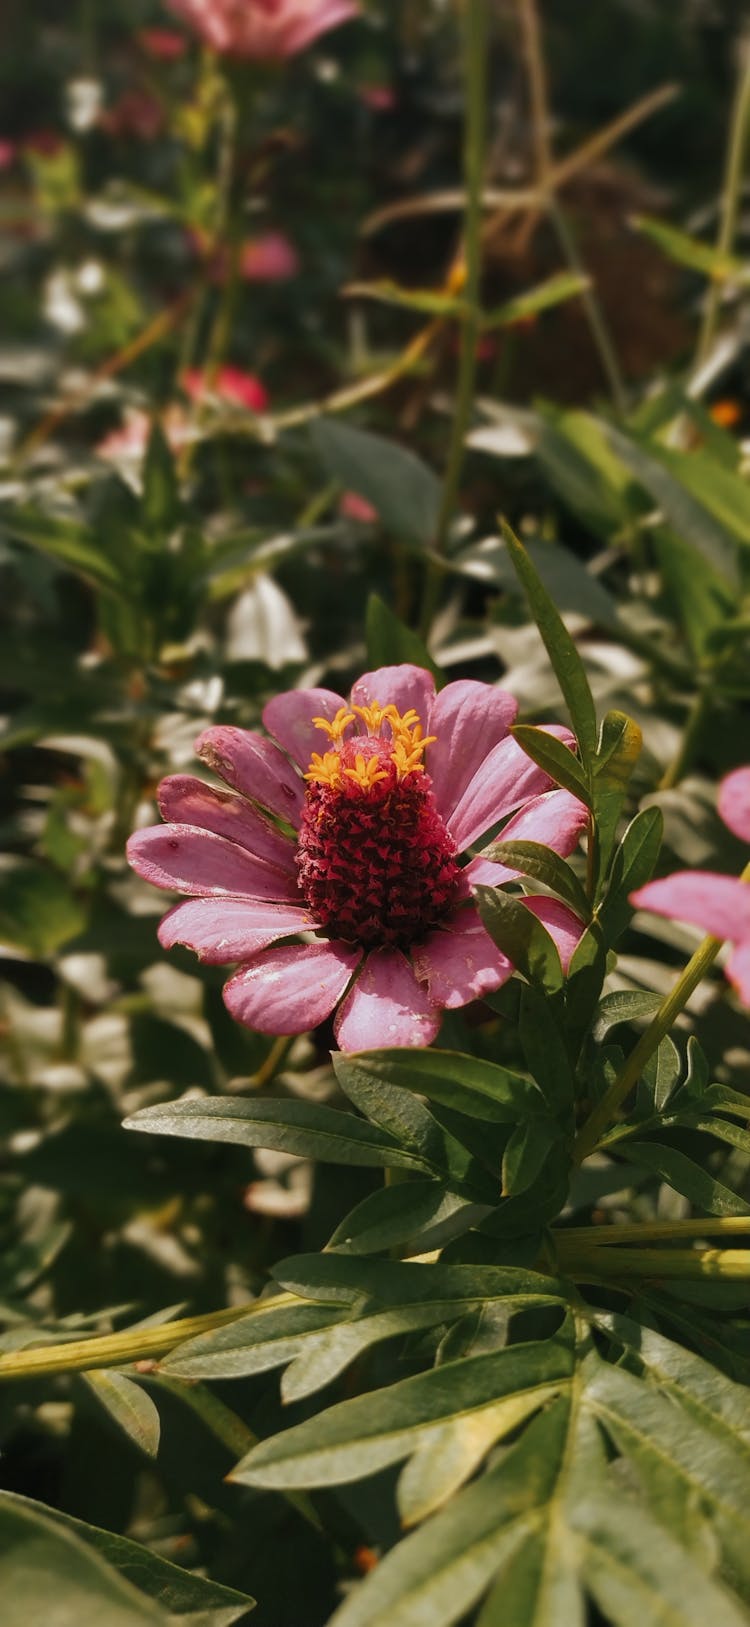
[475, 15]
[651, 1231]
[727, 1264]
[607, 1109]
[739, 137]
[694, 722]
[133, 1344]
[595, 316]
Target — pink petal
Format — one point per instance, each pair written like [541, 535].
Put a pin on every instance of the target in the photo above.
[227, 929]
[184, 800]
[404, 687]
[460, 962]
[717, 904]
[506, 779]
[563, 925]
[185, 859]
[738, 970]
[734, 802]
[386, 1006]
[289, 718]
[254, 766]
[556, 819]
[292, 988]
[468, 718]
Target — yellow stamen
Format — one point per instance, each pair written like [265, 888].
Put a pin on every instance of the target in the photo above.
[335, 729]
[366, 772]
[326, 770]
[407, 745]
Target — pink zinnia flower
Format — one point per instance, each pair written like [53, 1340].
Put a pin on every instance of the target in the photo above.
[231, 384]
[719, 904]
[335, 827]
[266, 30]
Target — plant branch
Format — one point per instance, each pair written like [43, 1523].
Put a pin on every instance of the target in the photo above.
[739, 137]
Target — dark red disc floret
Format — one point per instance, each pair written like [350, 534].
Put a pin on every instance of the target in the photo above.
[374, 869]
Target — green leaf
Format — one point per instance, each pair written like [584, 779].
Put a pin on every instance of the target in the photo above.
[692, 521]
[555, 758]
[130, 1409]
[566, 662]
[69, 543]
[39, 911]
[306, 1129]
[685, 1176]
[466, 1084]
[564, 285]
[390, 642]
[574, 453]
[545, 1051]
[661, 1073]
[428, 301]
[691, 252]
[161, 498]
[526, 1153]
[369, 1432]
[704, 601]
[623, 1006]
[54, 1568]
[358, 1304]
[413, 1216]
[520, 936]
[620, 744]
[535, 860]
[404, 490]
[415, 1129]
[633, 865]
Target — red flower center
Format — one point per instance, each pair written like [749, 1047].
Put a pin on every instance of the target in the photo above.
[375, 862]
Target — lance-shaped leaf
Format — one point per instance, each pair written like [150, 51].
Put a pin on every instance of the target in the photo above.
[521, 936]
[307, 1129]
[620, 744]
[369, 1432]
[468, 1084]
[404, 490]
[413, 1217]
[357, 1304]
[566, 661]
[535, 860]
[684, 1175]
[401, 1115]
[632, 866]
[58, 1569]
[554, 290]
[130, 1409]
[555, 758]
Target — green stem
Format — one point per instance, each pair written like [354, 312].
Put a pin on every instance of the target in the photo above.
[651, 1231]
[691, 733]
[606, 1110]
[739, 136]
[654, 1262]
[594, 314]
[475, 15]
[119, 1349]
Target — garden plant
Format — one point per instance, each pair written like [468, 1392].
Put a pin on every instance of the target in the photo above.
[374, 905]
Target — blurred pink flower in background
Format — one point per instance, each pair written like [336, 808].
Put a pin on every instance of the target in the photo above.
[334, 826]
[231, 384]
[8, 153]
[379, 98]
[719, 904]
[354, 507]
[265, 30]
[269, 258]
[163, 44]
[130, 439]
